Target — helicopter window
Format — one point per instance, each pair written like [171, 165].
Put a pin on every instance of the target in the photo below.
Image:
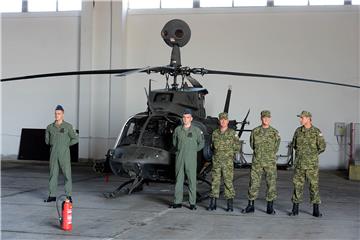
[132, 131]
[163, 97]
[158, 133]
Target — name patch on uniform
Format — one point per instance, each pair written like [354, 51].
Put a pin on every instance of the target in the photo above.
[189, 134]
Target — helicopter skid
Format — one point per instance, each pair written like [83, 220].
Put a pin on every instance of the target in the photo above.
[135, 184]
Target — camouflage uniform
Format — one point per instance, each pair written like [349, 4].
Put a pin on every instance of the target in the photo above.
[265, 144]
[225, 145]
[308, 144]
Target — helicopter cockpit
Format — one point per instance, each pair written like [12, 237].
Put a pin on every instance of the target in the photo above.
[151, 131]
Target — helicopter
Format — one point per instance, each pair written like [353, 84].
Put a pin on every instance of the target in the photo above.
[143, 150]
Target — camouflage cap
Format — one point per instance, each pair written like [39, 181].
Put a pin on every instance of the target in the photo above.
[223, 115]
[265, 113]
[304, 114]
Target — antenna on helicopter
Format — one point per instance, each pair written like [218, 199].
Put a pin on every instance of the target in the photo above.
[227, 101]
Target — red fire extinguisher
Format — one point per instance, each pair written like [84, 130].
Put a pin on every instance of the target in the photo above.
[66, 214]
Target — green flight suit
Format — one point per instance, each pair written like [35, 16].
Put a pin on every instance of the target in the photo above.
[187, 143]
[60, 138]
[225, 146]
[265, 144]
[308, 144]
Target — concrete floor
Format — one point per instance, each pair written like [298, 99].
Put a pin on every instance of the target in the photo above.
[145, 215]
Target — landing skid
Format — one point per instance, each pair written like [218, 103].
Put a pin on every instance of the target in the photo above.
[135, 183]
[205, 195]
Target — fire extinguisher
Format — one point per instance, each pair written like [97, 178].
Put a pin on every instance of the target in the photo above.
[65, 217]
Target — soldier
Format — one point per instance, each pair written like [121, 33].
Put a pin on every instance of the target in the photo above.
[226, 144]
[188, 140]
[308, 143]
[265, 141]
[60, 135]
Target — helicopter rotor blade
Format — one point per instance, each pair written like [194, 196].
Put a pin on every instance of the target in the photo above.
[89, 72]
[194, 82]
[203, 71]
[133, 71]
[243, 124]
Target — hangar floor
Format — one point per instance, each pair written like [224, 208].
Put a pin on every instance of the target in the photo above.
[145, 215]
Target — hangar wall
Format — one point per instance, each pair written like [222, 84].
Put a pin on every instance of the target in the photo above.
[322, 43]
[30, 44]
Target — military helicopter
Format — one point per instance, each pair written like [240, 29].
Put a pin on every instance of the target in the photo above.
[143, 149]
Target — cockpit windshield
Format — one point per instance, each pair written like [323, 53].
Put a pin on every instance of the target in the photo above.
[157, 132]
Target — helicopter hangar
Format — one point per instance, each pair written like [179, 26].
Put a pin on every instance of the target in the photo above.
[318, 42]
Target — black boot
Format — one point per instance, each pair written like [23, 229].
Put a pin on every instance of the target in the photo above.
[230, 205]
[175, 205]
[295, 210]
[212, 204]
[193, 207]
[270, 208]
[250, 207]
[316, 212]
[50, 199]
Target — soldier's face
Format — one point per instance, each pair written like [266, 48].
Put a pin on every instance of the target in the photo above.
[59, 115]
[265, 121]
[187, 118]
[304, 120]
[224, 122]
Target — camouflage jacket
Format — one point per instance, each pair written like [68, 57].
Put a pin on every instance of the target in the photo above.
[225, 144]
[308, 144]
[265, 143]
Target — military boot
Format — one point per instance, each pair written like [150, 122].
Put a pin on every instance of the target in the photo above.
[50, 199]
[270, 208]
[295, 210]
[230, 205]
[249, 208]
[316, 212]
[212, 204]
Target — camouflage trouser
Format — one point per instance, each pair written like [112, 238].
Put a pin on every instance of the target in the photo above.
[224, 167]
[312, 175]
[255, 179]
